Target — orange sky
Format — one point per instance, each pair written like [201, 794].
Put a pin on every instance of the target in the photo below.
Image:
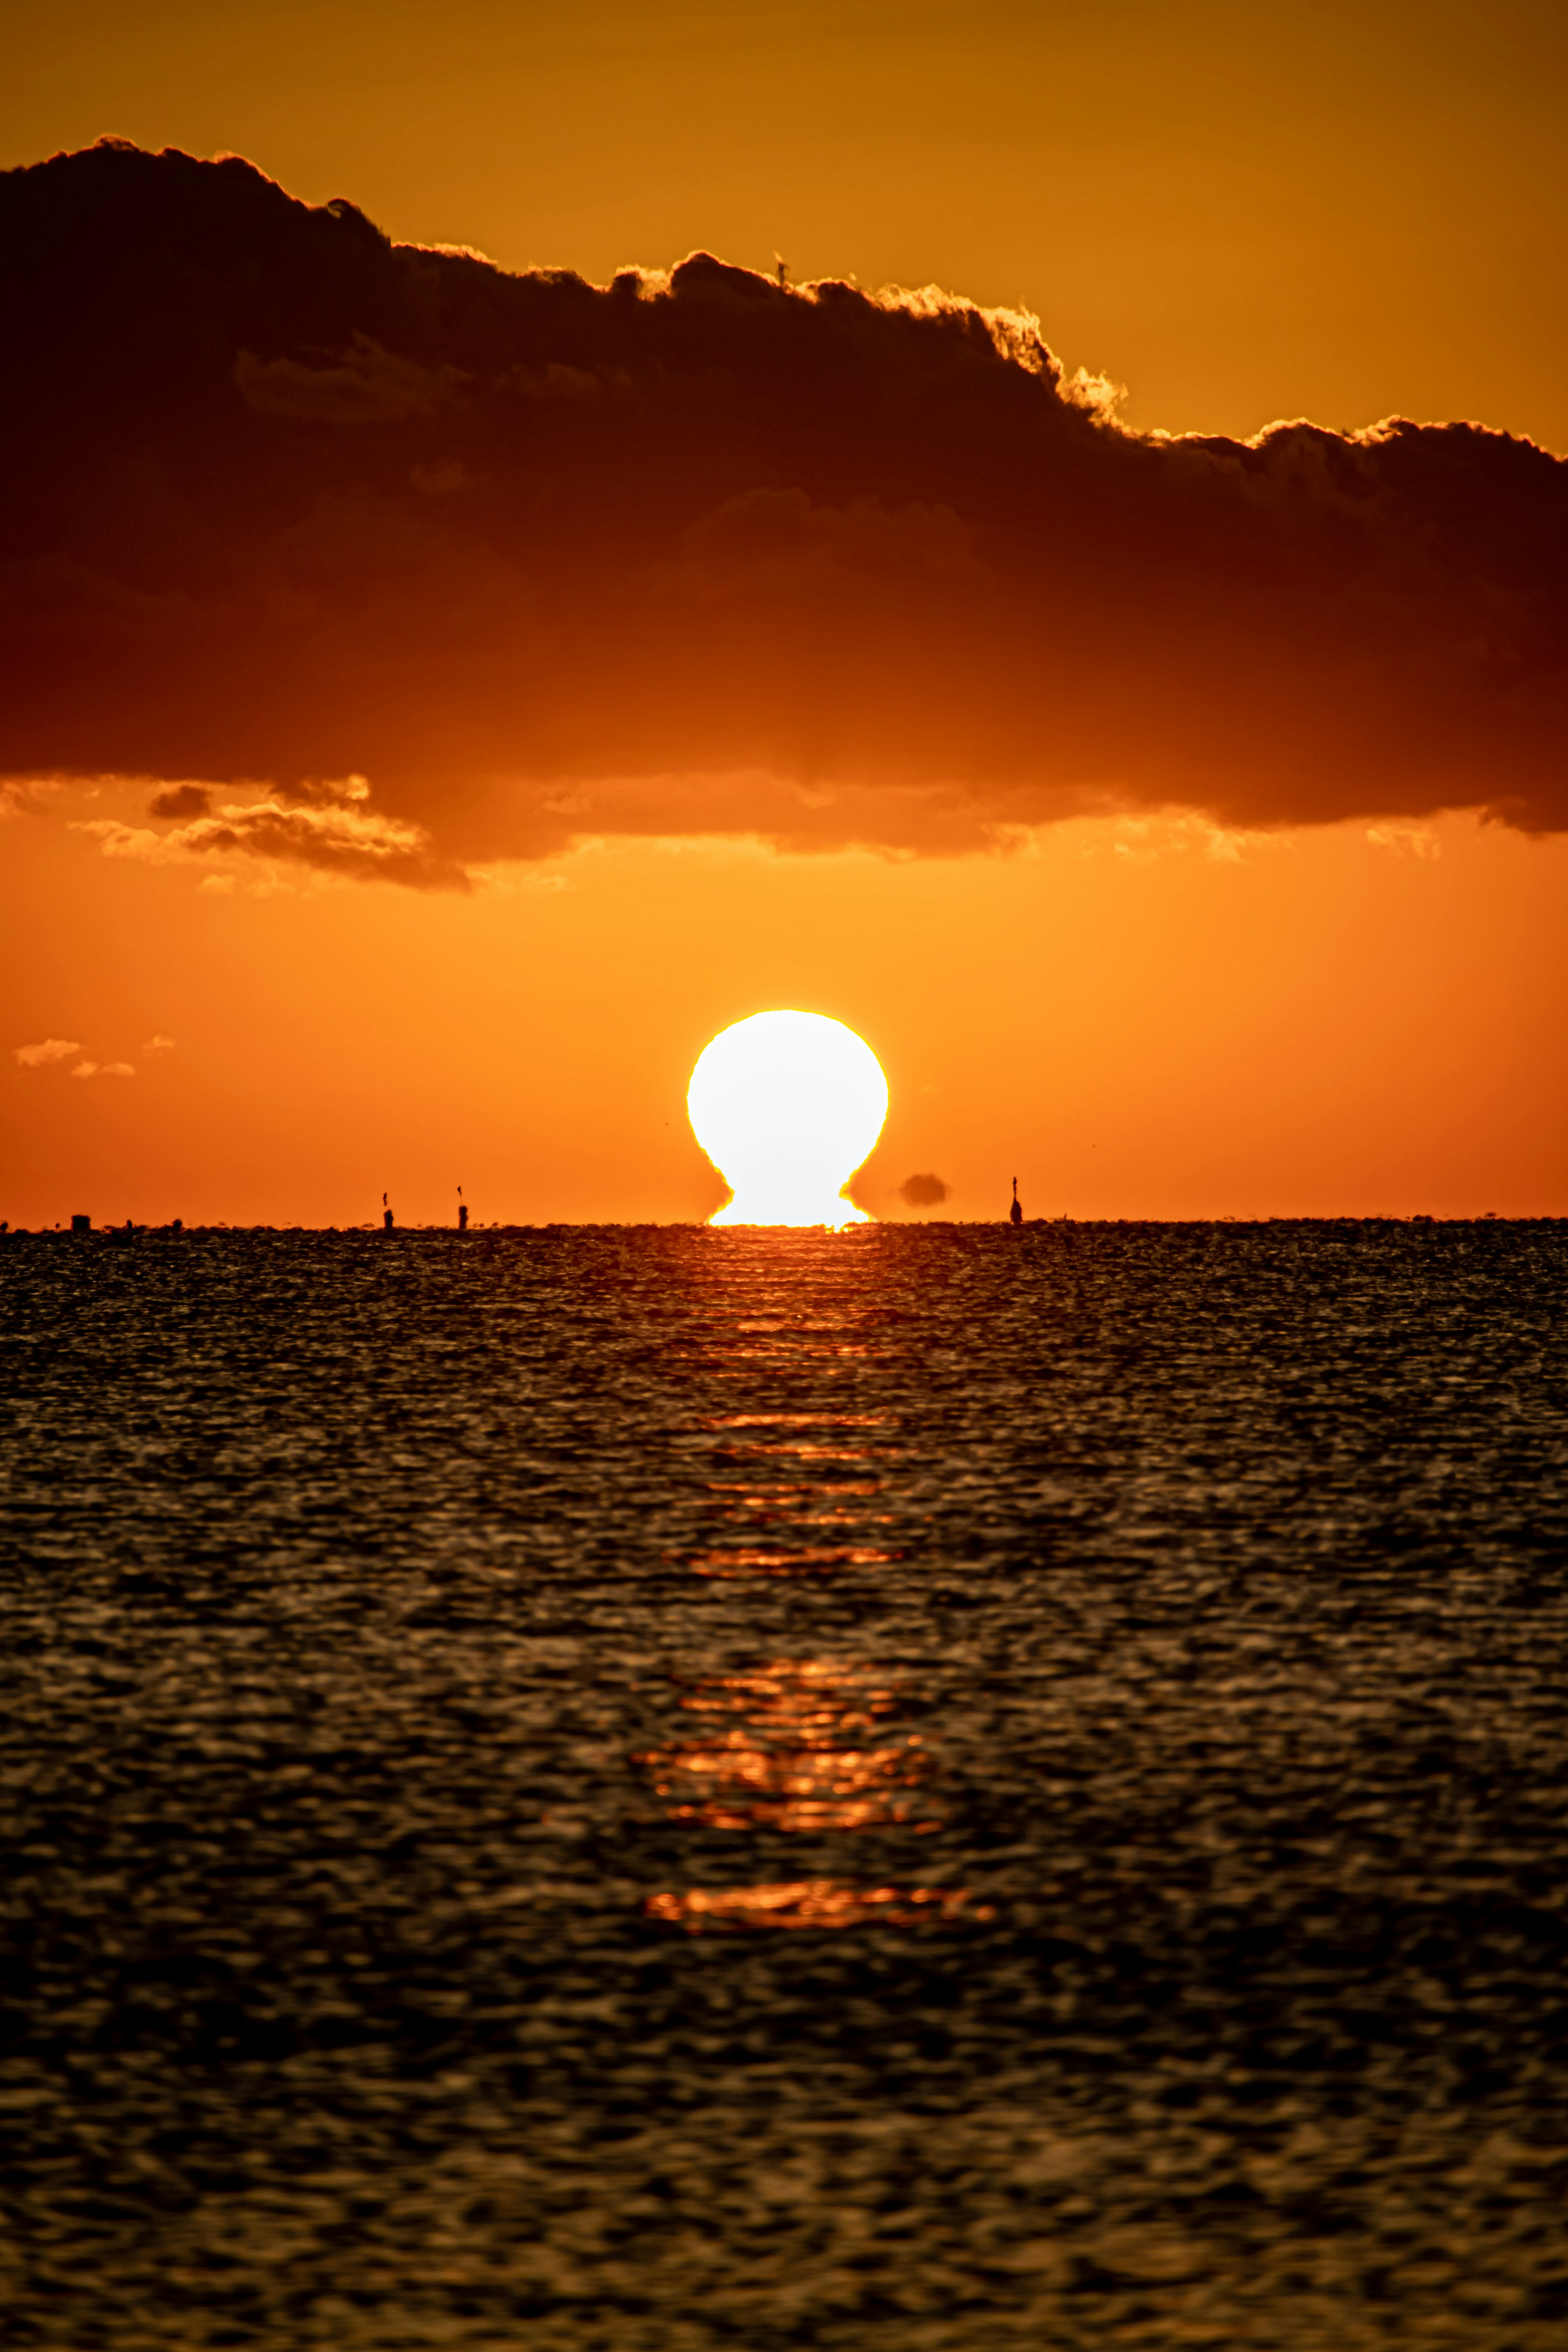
[1239, 213]
[1138, 1018]
[1340, 215]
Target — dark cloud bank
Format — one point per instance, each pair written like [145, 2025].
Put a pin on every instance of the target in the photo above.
[286, 503]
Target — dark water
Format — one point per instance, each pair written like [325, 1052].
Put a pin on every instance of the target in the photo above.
[934, 1790]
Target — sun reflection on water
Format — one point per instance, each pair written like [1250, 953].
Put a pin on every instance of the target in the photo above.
[816, 1747]
[794, 1747]
[808, 1559]
[813, 1902]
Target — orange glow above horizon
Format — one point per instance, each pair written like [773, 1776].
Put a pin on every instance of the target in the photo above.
[1313, 1023]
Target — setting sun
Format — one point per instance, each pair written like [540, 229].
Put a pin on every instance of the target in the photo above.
[787, 1106]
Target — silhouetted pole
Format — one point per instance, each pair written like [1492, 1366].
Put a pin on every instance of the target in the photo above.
[462, 1211]
[386, 1215]
[1017, 1211]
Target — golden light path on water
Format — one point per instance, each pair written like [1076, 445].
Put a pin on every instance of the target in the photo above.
[787, 1106]
[823, 1752]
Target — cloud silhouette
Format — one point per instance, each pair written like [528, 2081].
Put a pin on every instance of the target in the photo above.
[366, 386]
[179, 800]
[699, 552]
[923, 1191]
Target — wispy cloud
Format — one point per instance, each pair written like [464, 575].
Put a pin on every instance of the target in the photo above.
[48, 1049]
[159, 1045]
[1406, 840]
[332, 832]
[1140, 840]
[103, 1070]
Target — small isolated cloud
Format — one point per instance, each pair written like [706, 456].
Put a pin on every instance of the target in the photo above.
[923, 1191]
[85, 1070]
[103, 1070]
[159, 1045]
[179, 800]
[48, 1049]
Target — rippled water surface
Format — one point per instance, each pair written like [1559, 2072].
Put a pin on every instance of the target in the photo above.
[933, 1787]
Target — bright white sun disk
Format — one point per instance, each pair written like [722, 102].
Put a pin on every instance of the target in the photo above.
[787, 1106]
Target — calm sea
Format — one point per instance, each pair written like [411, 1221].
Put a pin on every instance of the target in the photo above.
[608, 1789]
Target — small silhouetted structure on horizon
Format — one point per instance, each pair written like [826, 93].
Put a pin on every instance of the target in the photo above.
[462, 1211]
[386, 1215]
[81, 1225]
[1017, 1211]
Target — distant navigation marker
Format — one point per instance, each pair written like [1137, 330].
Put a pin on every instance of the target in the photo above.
[81, 1225]
[1015, 1212]
[386, 1215]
